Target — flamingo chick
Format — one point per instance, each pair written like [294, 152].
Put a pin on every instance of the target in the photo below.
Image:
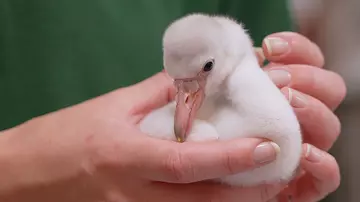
[222, 93]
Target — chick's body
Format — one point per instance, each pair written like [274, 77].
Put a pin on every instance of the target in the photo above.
[240, 99]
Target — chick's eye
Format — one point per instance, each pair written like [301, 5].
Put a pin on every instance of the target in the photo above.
[208, 66]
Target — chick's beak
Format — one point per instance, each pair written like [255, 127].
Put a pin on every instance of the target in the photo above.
[190, 95]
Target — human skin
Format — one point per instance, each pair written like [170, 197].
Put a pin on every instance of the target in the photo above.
[94, 151]
[316, 93]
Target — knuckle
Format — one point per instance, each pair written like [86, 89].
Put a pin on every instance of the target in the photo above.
[303, 76]
[230, 163]
[177, 166]
[264, 194]
[312, 74]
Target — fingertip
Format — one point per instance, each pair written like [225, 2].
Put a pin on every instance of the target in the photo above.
[341, 90]
[265, 152]
[290, 48]
[287, 34]
[316, 53]
[260, 55]
[266, 49]
[276, 47]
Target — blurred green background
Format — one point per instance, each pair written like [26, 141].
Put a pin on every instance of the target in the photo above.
[56, 53]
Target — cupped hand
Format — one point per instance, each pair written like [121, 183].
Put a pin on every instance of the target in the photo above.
[94, 152]
[296, 67]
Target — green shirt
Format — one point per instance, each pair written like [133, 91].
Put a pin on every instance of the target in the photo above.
[56, 53]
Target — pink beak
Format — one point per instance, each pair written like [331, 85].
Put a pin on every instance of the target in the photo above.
[190, 95]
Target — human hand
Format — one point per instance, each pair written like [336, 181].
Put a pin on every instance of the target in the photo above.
[94, 151]
[314, 93]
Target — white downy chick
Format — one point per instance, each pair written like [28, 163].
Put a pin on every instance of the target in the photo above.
[223, 94]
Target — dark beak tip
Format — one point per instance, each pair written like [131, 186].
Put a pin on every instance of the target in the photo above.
[178, 135]
[180, 140]
[187, 104]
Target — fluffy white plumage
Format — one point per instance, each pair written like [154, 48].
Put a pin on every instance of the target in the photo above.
[240, 99]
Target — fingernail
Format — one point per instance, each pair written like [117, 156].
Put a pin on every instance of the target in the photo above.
[266, 152]
[276, 46]
[260, 55]
[296, 99]
[280, 77]
[312, 153]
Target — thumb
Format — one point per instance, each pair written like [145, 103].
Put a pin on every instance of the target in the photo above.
[167, 161]
[152, 92]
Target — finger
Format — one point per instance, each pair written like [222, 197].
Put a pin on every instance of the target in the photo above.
[324, 85]
[292, 48]
[207, 191]
[319, 125]
[323, 175]
[166, 161]
[260, 55]
[150, 94]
